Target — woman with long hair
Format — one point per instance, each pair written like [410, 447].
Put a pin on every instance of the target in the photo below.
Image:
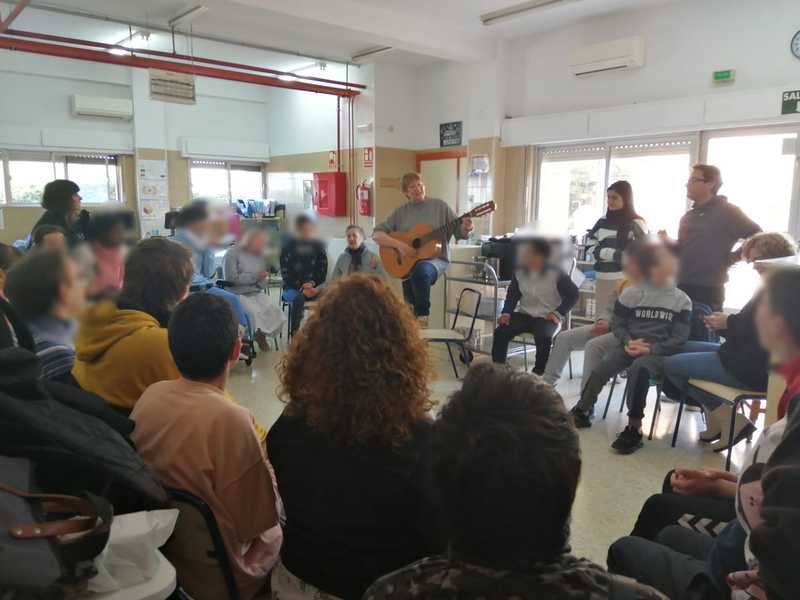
[62, 207]
[352, 449]
[607, 240]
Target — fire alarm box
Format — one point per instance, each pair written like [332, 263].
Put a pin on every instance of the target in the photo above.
[330, 194]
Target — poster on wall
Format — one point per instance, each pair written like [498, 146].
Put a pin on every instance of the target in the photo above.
[790, 102]
[332, 159]
[369, 158]
[450, 133]
[151, 181]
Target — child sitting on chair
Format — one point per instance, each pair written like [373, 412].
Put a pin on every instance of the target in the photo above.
[650, 321]
[304, 267]
[538, 300]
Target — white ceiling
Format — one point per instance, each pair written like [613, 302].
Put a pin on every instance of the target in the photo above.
[419, 31]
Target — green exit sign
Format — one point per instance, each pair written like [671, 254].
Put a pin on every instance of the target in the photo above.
[726, 76]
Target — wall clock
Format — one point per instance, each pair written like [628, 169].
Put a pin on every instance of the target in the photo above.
[796, 44]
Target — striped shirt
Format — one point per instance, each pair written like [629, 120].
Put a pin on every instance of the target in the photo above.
[54, 346]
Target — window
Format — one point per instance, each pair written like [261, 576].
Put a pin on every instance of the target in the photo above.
[290, 188]
[657, 172]
[26, 173]
[571, 188]
[221, 182]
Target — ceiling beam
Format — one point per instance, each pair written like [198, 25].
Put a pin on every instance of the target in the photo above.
[18, 8]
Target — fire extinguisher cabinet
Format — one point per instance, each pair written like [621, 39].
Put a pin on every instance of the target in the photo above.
[330, 194]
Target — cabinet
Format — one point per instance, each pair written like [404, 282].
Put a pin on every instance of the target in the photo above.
[330, 194]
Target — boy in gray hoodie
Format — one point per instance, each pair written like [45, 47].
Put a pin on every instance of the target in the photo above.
[651, 320]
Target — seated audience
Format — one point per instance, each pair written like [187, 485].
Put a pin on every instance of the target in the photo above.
[49, 237]
[121, 347]
[356, 258]
[684, 562]
[198, 441]
[105, 234]
[48, 293]
[607, 240]
[192, 230]
[740, 362]
[507, 463]
[650, 321]
[596, 339]
[8, 257]
[244, 266]
[62, 205]
[304, 267]
[538, 300]
[351, 451]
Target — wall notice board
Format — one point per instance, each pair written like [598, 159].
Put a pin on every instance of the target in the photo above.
[450, 134]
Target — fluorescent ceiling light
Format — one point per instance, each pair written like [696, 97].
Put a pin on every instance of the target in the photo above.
[187, 17]
[493, 17]
[370, 52]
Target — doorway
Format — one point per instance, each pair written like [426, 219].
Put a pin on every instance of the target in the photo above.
[442, 173]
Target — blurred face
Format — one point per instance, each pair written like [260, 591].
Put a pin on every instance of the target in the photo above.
[667, 268]
[201, 229]
[697, 188]
[532, 260]
[72, 294]
[631, 268]
[115, 236]
[416, 191]
[771, 327]
[76, 202]
[354, 239]
[54, 241]
[257, 244]
[615, 201]
[306, 231]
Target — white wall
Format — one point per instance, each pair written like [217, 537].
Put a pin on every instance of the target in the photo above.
[686, 42]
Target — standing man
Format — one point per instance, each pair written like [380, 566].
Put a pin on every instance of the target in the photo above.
[706, 238]
[420, 209]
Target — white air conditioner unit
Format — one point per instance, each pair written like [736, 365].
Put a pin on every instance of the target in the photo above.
[94, 106]
[617, 55]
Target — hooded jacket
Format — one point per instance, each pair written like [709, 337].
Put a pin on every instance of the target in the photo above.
[120, 352]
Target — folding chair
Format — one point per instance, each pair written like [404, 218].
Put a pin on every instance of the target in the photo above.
[197, 544]
[452, 335]
[654, 381]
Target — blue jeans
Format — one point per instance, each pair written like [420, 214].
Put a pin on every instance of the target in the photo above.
[297, 301]
[699, 360]
[417, 287]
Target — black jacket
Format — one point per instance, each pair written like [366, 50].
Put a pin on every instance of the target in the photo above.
[73, 233]
[741, 354]
[776, 542]
[706, 237]
[303, 261]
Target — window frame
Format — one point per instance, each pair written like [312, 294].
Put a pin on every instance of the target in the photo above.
[228, 166]
[54, 158]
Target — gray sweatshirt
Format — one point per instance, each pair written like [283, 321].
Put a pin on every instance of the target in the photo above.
[660, 315]
[242, 269]
[370, 263]
[539, 293]
[431, 211]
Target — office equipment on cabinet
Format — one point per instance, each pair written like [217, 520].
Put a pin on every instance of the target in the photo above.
[585, 311]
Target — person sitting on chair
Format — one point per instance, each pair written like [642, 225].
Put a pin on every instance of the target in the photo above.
[198, 441]
[538, 300]
[304, 267]
[244, 266]
[420, 210]
[651, 321]
[504, 446]
[356, 258]
[192, 230]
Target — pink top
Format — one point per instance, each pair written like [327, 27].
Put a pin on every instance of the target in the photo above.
[110, 268]
[198, 440]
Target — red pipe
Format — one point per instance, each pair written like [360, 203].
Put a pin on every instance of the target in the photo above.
[18, 8]
[338, 133]
[150, 63]
[211, 61]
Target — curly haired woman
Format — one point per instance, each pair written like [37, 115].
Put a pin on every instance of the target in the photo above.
[352, 450]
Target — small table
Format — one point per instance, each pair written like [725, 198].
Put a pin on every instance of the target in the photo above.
[158, 587]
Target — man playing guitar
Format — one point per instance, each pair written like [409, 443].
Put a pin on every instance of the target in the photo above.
[420, 209]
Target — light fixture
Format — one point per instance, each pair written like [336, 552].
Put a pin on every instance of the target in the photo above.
[370, 52]
[138, 39]
[493, 17]
[187, 16]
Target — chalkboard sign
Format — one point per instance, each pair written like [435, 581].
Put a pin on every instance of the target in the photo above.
[450, 134]
[791, 103]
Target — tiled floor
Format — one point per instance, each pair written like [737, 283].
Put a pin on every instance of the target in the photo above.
[612, 488]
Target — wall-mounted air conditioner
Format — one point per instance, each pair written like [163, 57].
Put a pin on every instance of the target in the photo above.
[617, 55]
[95, 106]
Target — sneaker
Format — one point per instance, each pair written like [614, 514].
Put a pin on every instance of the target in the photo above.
[581, 419]
[628, 441]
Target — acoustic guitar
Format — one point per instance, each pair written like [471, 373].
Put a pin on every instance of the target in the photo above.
[426, 241]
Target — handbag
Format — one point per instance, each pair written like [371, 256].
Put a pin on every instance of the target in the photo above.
[48, 541]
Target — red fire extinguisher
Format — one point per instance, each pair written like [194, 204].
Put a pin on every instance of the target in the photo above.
[364, 205]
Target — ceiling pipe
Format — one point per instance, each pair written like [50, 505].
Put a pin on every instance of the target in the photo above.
[18, 8]
[175, 56]
[152, 63]
[206, 37]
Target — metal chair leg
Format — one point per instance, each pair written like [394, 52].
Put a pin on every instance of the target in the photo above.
[656, 413]
[624, 397]
[678, 420]
[525, 355]
[452, 360]
[610, 393]
[569, 362]
[736, 404]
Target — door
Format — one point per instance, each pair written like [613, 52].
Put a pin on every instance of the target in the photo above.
[441, 179]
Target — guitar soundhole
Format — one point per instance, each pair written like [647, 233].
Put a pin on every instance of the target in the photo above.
[416, 243]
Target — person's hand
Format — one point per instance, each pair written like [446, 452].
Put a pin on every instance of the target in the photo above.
[504, 319]
[553, 318]
[466, 227]
[306, 285]
[663, 235]
[749, 581]
[636, 348]
[600, 327]
[263, 274]
[406, 251]
[311, 292]
[717, 321]
[697, 482]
